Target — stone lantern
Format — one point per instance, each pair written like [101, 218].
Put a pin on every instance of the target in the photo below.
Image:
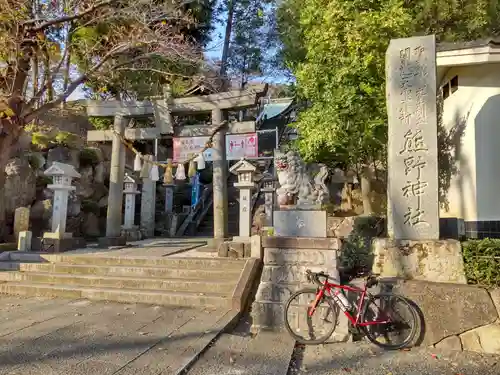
[130, 191]
[62, 176]
[246, 174]
[268, 188]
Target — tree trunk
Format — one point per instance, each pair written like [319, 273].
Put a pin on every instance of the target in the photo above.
[366, 189]
[227, 40]
[5, 146]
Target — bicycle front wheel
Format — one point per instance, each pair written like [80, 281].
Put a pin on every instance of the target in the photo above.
[307, 329]
[402, 321]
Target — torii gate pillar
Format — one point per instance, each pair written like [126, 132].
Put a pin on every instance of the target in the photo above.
[219, 181]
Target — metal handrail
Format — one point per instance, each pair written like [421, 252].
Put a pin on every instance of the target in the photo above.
[194, 210]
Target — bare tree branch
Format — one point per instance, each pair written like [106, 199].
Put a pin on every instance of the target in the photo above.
[64, 19]
[154, 71]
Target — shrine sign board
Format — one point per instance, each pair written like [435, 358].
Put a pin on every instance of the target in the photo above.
[241, 146]
[184, 147]
[413, 206]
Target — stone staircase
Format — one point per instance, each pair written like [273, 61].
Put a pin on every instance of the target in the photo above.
[206, 227]
[156, 280]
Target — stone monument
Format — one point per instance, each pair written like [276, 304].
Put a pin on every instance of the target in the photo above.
[21, 220]
[246, 173]
[413, 249]
[302, 191]
[129, 230]
[413, 203]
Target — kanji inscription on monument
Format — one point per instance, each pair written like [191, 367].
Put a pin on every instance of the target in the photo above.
[413, 205]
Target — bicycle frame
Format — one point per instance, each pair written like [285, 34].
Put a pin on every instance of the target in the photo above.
[327, 288]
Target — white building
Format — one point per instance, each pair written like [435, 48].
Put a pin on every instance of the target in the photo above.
[469, 75]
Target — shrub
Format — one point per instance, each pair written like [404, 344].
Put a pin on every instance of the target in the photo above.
[88, 157]
[482, 261]
[90, 206]
[43, 181]
[34, 161]
[356, 253]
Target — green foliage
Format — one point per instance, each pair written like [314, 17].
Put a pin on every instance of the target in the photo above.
[482, 261]
[246, 55]
[43, 181]
[88, 157]
[34, 162]
[67, 139]
[336, 49]
[89, 205]
[356, 254]
[41, 140]
[101, 123]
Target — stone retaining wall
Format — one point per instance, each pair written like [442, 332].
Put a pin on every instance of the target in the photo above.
[285, 261]
[456, 316]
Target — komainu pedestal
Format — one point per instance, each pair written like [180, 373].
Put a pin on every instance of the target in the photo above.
[285, 262]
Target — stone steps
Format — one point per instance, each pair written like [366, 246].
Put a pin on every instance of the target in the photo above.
[175, 285]
[132, 271]
[156, 280]
[156, 297]
[177, 263]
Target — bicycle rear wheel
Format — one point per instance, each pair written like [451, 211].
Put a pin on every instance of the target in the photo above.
[310, 330]
[400, 332]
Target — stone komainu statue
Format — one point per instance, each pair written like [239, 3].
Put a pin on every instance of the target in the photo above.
[300, 184]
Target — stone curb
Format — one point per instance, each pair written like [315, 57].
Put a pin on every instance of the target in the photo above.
[302, 243]
[231, 320]
[242, 290]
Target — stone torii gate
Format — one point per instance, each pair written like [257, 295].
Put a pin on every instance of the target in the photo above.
[162, 109]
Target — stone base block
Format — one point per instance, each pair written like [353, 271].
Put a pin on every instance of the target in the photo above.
[57, 235]
[256, 249]
[112, 241]
[433, 260]
[132, 234]
[295, 223]
[238, 249]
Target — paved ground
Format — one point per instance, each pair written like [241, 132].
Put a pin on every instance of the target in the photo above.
[149, 247]
[365, 359]
[40, 336]
[54, 336]
[241, 353]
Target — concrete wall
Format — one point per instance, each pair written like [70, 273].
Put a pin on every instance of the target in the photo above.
[474, 112]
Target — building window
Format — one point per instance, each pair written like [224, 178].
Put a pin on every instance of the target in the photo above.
[450, 87]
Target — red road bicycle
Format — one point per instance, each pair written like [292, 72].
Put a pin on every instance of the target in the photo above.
[378, 317]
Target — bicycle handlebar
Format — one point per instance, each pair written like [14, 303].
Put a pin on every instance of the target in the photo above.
[371, 278]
